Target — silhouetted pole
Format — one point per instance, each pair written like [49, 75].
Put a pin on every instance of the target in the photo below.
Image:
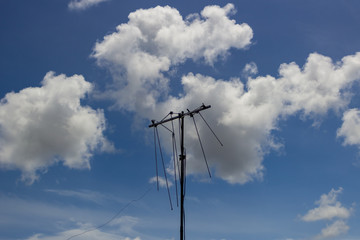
[181, 117]
[182, 178]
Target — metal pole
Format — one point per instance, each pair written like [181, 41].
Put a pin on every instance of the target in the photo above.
[182, 177]
[181, 116]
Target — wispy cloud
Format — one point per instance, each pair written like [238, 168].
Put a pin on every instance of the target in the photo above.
[83, 4]
[335, 229]
[120, 229]
[330, 208]
[85, 195]
[250, 69]
[66, 221]
[161, 181]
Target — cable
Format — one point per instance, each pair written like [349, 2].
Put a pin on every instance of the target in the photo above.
[162, 159]
[166, 128]
[176, 161]
[166, 116]
[211, 129]
[117, 214]
[202, 148]
[156, 164]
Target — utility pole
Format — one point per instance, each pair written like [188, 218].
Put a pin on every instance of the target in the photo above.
[181, 116]
[182, 178]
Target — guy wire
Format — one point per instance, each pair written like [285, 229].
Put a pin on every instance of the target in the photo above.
[202, 148]
[211, 129]
[156, 164]
[162, 159]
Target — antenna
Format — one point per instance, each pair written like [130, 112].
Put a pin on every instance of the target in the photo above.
[182, 157]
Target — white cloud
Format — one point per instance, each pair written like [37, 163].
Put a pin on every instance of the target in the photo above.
[155, 39]
[245, 115]
[161, 180]
[320, 85]
[328, 209]
[40, 126]
[335, 229]
[350, 129]
[63, 221]
[83, 4]
[84, 195]
[240, 159]
[126, 225]
[85, 232]
[250, 69]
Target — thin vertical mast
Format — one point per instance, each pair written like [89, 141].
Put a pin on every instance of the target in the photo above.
[182, 178]
[181, 116]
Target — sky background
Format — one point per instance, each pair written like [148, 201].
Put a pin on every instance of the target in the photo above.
[81, 80]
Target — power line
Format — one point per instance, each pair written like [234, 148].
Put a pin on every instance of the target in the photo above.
[116, 215]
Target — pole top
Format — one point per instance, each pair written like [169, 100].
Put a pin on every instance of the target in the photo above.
[180, 115]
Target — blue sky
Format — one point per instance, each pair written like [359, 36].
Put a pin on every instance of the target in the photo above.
[81, 80]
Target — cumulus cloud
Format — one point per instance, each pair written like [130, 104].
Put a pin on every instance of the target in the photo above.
[83, 4]
[328, 209]
[155, 39]
[245, 114]
[240, 159]
[320, 86]
[41, 126]
[350, 129]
